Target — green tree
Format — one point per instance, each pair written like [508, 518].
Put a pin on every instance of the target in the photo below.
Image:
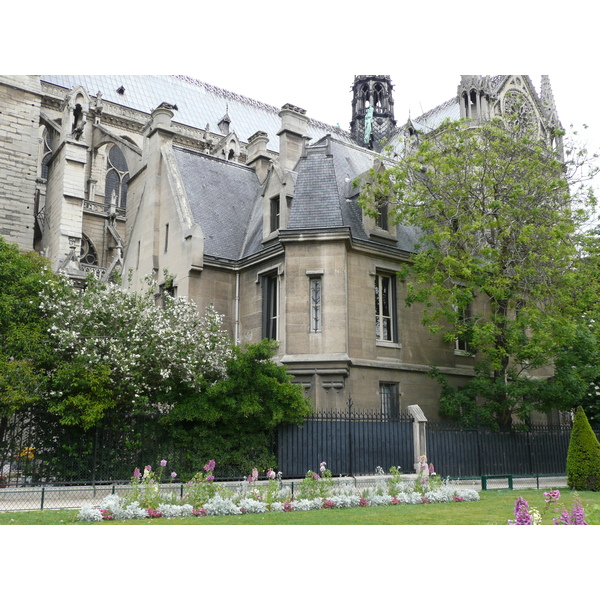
[583, 456]
[499, 263]
[234, 420]
[23, 330]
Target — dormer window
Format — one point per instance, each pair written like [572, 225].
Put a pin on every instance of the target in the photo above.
[275, 213]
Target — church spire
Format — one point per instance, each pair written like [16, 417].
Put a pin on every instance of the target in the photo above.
[372, 110]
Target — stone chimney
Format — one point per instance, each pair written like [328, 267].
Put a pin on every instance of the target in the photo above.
[292, 135]
[258, 158]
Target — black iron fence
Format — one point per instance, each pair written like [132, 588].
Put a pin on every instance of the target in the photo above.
[464, 452]
[35, 449]
[351, 443]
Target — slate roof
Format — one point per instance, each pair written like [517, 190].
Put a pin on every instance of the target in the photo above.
[198, 103]
[324, 196]
[222, 197]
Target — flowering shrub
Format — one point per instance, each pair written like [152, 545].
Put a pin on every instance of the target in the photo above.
[524, 515]
[143, 350]
[205, 498]
[145, 487]
[315, 485]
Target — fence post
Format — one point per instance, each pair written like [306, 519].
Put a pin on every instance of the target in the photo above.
[419, 433]
[350, 449]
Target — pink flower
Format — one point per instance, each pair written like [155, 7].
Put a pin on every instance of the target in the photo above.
[173, 475]
[425, 500]
[210, 478]
[163, 463]
[315, 476]
[552, 496]
[210, 466]
[431, 469]
[395, 500]
[199, 512]
[136, 473]
[363, 502]
[148, 468]
[271, 474]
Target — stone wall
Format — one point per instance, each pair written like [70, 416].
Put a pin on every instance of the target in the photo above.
[20, 98]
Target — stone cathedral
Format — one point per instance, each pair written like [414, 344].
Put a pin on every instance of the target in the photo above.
[249, 207]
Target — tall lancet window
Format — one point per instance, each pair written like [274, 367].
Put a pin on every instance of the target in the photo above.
[117, 176]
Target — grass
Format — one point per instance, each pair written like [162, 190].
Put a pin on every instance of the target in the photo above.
[494, 508]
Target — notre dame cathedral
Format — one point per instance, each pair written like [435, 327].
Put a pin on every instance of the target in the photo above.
[246, 206]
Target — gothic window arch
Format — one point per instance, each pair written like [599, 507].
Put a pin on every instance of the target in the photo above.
[365, 96]
[378, 95]
[46, 154]
[117, 177]
[88, 254]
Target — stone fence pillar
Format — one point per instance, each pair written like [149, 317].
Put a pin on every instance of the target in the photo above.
[419, 433]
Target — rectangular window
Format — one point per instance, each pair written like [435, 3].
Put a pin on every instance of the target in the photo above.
[166, 237]
[270, 302]
[389, 398]
[382, 216]
[385, 308]
[315, 304]
[275, 212]
[462, 342]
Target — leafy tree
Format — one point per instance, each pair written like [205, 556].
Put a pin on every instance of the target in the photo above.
[498, 265]
[23, 330]
[583, 456]
[234, 420]
[118, 350]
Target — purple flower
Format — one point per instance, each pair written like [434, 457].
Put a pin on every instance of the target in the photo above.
[552, 496]
[210, 466]
[173, 475]
[522, 512]
[136, 473]
[148, 468]
[315, 476]
[271, 474]
[163, 463]
[431, 469]
[210, 478]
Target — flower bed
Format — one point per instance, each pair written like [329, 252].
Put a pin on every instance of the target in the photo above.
[318, 491]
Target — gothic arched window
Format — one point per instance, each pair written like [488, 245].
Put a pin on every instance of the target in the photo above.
[88, 254]
[117, 176]
[46, 155]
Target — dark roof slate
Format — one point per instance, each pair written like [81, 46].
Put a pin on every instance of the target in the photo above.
[222, 197]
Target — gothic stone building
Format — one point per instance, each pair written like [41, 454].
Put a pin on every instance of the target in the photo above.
[239, 204]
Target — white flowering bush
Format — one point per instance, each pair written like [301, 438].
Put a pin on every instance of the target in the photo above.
[139, 351]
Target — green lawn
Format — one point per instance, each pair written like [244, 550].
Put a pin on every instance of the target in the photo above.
[494, 508]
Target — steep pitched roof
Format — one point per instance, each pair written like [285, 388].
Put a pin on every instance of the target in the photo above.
[222, 197]
[325, 197]
[198, 103]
